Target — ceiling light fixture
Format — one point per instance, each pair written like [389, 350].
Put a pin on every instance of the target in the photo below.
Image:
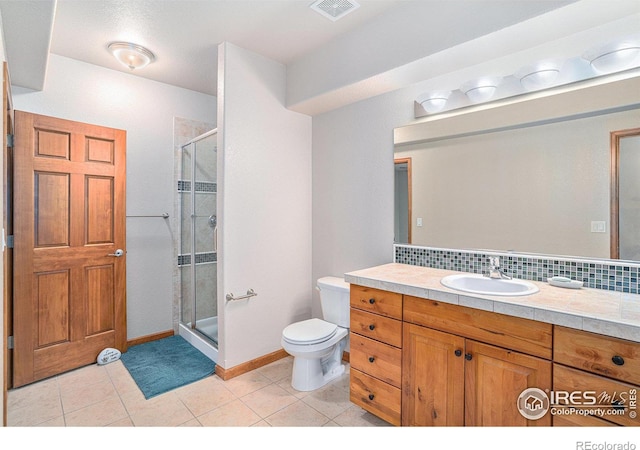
[538, 76]
[482, 89]
[434, 101]
[131, 55]
[614, 57]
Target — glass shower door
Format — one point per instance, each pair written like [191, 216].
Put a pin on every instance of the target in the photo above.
[198, 253]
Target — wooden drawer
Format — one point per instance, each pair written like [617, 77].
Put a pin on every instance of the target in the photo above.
[376, 327]
[374, 358]
[573, 380]
[374, 300]
[379, 398]
[514, 333]
[598, 354]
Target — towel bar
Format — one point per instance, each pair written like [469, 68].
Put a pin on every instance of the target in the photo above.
[163, 215]
[250, 293]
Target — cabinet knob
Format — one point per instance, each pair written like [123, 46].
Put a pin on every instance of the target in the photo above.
[371, 396]
[468, 356]
[371, 359]
[458, 352]
[372, 300]
[372, 327]
[618, 360]
[617, 404]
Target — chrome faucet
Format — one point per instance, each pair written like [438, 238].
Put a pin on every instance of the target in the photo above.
[494, 269]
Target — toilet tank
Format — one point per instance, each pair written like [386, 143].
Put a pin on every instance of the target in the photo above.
[334, 300]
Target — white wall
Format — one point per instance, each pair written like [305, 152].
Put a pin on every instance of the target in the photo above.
[145, 109]
[353, 178]
[265, 192]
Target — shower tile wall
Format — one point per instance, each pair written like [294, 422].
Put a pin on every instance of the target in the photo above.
[184, 131]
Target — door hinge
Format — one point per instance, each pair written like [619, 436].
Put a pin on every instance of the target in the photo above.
[10, 241]
[10, 140]
[9, 342]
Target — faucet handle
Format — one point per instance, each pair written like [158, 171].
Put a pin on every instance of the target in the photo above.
[494, 261]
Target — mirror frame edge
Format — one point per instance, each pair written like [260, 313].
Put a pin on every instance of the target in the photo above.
[615, 137]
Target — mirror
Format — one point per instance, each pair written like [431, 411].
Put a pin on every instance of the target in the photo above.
[542, 186]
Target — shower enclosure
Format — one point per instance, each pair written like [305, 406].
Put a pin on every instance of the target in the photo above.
[197, 259]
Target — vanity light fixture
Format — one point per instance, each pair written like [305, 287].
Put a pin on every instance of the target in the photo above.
[538, 76]
[615, 56]
[482, 89]
[131, 55]
[434, 101]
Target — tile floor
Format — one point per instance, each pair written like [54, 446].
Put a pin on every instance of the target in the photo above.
[107, 396]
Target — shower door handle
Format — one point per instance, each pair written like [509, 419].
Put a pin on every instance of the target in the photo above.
[118, 253]
[215, 239]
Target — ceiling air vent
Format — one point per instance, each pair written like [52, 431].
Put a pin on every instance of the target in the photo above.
[334, 9]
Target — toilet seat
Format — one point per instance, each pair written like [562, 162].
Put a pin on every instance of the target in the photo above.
[309, 332]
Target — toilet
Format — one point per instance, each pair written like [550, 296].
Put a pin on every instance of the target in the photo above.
[317, 344]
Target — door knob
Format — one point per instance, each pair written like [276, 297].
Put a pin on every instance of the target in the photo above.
[118, 253]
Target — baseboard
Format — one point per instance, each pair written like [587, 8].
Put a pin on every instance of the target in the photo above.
[227, 374]
[149, 338]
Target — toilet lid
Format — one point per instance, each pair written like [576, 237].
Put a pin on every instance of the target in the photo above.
[312, 331]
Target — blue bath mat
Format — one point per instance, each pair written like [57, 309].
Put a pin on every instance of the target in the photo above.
[160, 366]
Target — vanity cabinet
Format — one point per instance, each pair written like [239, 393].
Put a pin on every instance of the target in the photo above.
[421, 362]
[376, 352]
[450, 378]
[606, 366]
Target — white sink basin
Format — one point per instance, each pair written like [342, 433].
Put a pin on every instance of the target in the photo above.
[479, 284]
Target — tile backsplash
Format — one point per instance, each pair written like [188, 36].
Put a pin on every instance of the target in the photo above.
[598, 274]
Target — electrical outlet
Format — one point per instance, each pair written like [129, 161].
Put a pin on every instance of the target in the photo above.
[598, 226]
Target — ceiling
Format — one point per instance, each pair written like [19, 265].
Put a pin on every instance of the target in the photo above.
[321, 55]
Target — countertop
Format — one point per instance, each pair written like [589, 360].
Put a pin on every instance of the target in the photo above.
[596, 310]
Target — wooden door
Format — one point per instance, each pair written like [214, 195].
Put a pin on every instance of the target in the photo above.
[433, 377]
[69, 219]
[495, 378]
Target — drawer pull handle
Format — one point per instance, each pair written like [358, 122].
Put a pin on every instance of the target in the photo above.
[371, 359]
[618, 360]
[372, 300]
[371, 396]
[468, 356]
[372, 327]
[458, 352]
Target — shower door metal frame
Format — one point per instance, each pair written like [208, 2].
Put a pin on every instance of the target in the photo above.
[193, 216]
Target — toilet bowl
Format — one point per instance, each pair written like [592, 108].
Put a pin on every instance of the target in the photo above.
[316, 344]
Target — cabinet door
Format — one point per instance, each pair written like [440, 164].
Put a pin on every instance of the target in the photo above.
[494, 379]
[433, 377]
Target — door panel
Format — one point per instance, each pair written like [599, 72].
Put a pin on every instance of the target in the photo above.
[495, 378]
[52, 293]
[99, 207]
[51, 209]
[69, 301]
[433, 378]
